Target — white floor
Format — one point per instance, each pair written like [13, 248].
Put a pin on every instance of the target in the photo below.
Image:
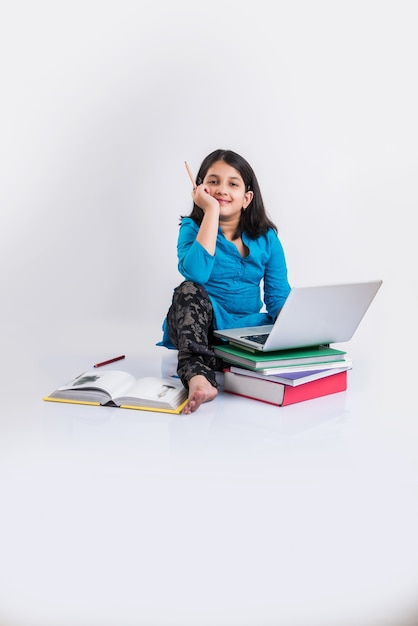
[242, 514]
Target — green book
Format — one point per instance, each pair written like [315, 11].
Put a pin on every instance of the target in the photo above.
[281, 358]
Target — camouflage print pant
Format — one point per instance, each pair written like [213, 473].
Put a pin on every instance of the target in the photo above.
[190, 326]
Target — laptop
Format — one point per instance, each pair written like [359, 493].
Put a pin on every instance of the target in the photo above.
[311, 316]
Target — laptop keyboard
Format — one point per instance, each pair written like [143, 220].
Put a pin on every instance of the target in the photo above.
[257, 338]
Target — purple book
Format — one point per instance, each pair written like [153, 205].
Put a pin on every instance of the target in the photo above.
[292, 378]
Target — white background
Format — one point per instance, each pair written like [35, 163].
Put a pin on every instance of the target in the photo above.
[101, 103]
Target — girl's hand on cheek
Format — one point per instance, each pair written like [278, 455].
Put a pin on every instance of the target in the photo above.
[201, 196]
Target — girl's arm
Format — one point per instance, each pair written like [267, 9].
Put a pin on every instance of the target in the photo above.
[276, 284]
[208, 230]
[194, 261]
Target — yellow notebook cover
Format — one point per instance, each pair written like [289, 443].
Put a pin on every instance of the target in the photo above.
[176, 411]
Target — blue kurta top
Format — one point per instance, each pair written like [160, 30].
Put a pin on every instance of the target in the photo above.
[235, 284]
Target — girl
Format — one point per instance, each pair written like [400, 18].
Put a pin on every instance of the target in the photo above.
[229, 253]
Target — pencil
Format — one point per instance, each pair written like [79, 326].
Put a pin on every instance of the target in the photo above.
[116, 358]
[189, 171]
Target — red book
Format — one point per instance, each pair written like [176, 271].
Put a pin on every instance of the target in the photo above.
[280, 394]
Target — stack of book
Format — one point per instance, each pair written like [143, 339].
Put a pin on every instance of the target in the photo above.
[286, 376]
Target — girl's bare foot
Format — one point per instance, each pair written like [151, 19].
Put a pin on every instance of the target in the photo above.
[200, 390]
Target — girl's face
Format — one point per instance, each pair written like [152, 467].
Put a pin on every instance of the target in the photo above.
[225, 183]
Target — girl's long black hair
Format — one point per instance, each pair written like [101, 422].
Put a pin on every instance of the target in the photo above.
[254, 219]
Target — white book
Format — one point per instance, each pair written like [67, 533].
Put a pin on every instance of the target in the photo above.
[293, 376]
[121, 389]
